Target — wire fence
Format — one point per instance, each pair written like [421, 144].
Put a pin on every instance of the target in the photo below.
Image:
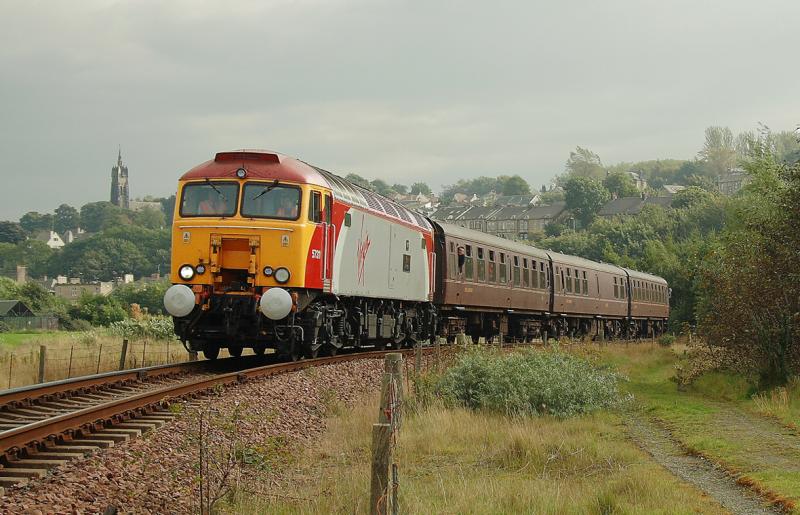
[64, 360]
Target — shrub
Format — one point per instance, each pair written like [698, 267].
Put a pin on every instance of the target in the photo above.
[4, 328]
[148, 327]
[529, 383]
[666, 340]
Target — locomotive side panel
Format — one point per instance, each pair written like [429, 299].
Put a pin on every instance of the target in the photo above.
[376, 257]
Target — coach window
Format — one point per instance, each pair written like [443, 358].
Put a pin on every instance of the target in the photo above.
[503, 276]
[468, 262]
[616, 289]
[543, 283]
[452, 264]
[585, 284]
[492, 268]
[569, 280]
[525, 277]
[481, 265]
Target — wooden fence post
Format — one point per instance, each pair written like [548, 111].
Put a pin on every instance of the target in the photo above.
[381, 455]
[69, 368]
[42, 358]
[99, 357]
[123, 356]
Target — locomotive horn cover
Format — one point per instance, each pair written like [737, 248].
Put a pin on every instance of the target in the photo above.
[276, 303]
[179, 300]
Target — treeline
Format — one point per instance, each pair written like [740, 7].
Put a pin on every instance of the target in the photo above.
[117, 241]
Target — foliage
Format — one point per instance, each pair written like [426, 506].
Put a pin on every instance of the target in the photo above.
[11, 232]
[719, 151]
[66, 218]
[402, 189]
[159, 327]
[692, 195]
[666, 340]
[357, 179]
[585, 196]
[4, 328]
[750, 302]
[529, 383]
[621, 184]
[583, 162]
[34, 222]
[149, 296]
[98, 310]
[514, 185]
[149, 218]
[96, 216]
[420, 187]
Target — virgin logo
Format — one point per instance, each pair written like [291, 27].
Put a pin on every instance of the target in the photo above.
[363, 248]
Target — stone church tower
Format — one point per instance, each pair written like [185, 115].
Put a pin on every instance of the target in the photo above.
[120, 195]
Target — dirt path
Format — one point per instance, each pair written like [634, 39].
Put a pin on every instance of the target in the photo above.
[715, 482]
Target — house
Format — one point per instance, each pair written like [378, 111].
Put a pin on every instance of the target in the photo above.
[638, 180]
[518, 200]
[72, 290]
[732, 181]
[671, 189]
[71, 236]
[18, 316]
[631, 205]
[50, 238]
[511, 222]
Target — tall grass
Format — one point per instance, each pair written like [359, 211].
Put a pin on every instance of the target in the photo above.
[456, 460]
[529, 382]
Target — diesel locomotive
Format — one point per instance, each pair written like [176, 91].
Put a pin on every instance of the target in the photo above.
[271, 252]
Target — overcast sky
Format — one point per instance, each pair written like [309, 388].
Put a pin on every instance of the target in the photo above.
[404, 91]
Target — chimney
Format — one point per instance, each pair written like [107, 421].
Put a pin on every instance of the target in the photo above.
[22, 274]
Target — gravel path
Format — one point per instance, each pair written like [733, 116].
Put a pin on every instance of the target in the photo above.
[714, 481]
[157, 473]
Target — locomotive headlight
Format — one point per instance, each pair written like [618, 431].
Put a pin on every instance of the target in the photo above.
[200, 269]
[268, 271]
[241, 173]
[186, 272]
[282, 275]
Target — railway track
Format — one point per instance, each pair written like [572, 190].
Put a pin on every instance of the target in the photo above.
[46, 425]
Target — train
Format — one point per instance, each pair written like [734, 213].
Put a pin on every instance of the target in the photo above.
[270, 252]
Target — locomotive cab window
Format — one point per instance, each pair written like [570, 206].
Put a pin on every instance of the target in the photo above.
[315, 207]
[267, 200]
[209, 199]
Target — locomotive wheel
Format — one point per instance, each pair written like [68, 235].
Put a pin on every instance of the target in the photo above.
[211, 351]
[259, 350]
[235, 351]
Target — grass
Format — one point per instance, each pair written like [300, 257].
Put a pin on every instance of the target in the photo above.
[720, 416]
[453, 460]
[72, 354]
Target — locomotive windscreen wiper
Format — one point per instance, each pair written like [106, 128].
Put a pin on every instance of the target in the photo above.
[267, 189]
[215, 189]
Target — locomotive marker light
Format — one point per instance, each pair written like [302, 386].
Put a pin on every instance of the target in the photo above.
[241, 173]
[276, 303]
[268, 271]
[282, 275]
[186, 272]
[200, 269]
[179, 300]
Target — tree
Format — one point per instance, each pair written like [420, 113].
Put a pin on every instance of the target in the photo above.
[514, 185]
[621, 184]
[66, 218]
[34, 222]
[148, 296]
[420, 187]
[690, 196]
[380, 186]
[585, 196]
[149, 218]
[168, 207]
[98, 310]
[719, 151]
[750, 298]
[400, 188]
[584, 163]
[11, 232]
[96, 216]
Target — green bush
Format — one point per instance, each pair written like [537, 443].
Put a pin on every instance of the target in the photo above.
[529, 383]
[149, 327]
[666, 340]
[4, 328]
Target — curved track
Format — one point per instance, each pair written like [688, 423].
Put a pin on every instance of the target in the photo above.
[45, 425]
